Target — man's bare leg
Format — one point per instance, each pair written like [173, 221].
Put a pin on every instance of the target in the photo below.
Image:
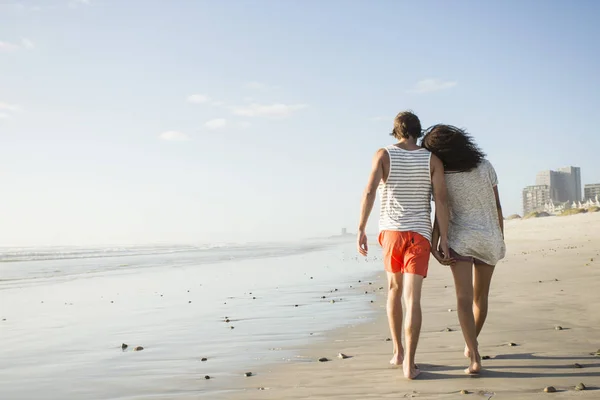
[481, 290]
[463, 281]
[394, 313]
[412, 300]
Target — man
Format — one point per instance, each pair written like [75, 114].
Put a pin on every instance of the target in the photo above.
[405, 174]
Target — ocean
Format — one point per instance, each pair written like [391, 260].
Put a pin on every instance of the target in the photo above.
[67, 311]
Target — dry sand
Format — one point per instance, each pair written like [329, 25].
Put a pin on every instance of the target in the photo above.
[550, 277]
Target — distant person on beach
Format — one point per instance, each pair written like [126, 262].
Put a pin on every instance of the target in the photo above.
[476, 231]
[405, 174]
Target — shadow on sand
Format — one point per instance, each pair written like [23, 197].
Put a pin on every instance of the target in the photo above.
[430, 371]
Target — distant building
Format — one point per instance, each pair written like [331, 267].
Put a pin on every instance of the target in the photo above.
[591, 191]
[536, 198]
[564, 185]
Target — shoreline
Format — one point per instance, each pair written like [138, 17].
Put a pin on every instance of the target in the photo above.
[548, 280]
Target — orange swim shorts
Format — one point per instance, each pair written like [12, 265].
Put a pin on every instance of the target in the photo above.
[405, 252]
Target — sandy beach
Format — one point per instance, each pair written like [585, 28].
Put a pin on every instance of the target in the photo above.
[548, 280]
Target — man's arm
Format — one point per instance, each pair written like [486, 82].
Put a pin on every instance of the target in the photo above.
[440, 196]
[368, 199]
[499, 208]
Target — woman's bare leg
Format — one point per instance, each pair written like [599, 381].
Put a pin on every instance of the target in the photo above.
[463, 281]
[481, 290]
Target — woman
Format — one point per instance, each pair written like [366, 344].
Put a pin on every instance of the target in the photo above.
[476, 231]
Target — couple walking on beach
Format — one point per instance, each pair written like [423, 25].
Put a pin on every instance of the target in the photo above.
[467, 235]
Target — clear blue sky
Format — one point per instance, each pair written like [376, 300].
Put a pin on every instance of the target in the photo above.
[199, 121]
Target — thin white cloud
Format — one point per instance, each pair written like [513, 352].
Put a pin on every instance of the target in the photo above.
[174, 136]
[7, 46]
[217, 123]
[75, 3]
[431, 85]
[4, 116]
[380, 118]
[24, 44]
[244, 124]
[27, 44]
[10, 107]
[198, 98]
[268, 110]
[255, 85]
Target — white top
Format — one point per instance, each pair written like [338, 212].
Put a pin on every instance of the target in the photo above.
[406, 194]
[474, 229]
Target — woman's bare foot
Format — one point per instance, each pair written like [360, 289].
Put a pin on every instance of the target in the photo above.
[410, 372]
[467, 352]
[397, 359]
[475, 366]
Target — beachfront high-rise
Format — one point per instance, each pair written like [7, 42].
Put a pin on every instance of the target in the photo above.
[553, 188]
[535, 198]
[591, 191]
[564, 184]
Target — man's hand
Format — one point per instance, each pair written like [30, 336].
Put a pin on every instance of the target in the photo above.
[363, 246]
[442, 253]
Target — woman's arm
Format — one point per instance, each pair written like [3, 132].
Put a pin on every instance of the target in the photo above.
[499, 208]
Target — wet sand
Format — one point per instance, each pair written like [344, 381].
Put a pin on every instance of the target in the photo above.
[550, 278]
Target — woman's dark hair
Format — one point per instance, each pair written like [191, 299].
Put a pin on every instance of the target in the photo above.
[455, 147]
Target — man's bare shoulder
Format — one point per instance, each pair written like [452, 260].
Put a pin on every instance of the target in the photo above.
[436, 162]
[382, 156]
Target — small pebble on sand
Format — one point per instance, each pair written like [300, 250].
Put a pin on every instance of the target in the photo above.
[550, 389]
[464, 391]
[511, 344]
[322, 297]
[448, 330]
[232, 327]
[449, 310]
[558, 328]
[342, 356]
[261, 388]
[204, 359]
[323, 359]
[486, 357]
[372, 301]
[295, 305]
[577, 365]
[190, 302]
[580, 386]
[124, 346]
[227, 320]
[139, 348]
[388, 340]
[332, 301]
[206, 377]
[248, 374]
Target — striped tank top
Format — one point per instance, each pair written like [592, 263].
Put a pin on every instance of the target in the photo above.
[406, 194]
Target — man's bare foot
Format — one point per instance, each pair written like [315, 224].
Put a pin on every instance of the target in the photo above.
[475, 366]
[467, 352]
[410, 372]
[397, 359]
